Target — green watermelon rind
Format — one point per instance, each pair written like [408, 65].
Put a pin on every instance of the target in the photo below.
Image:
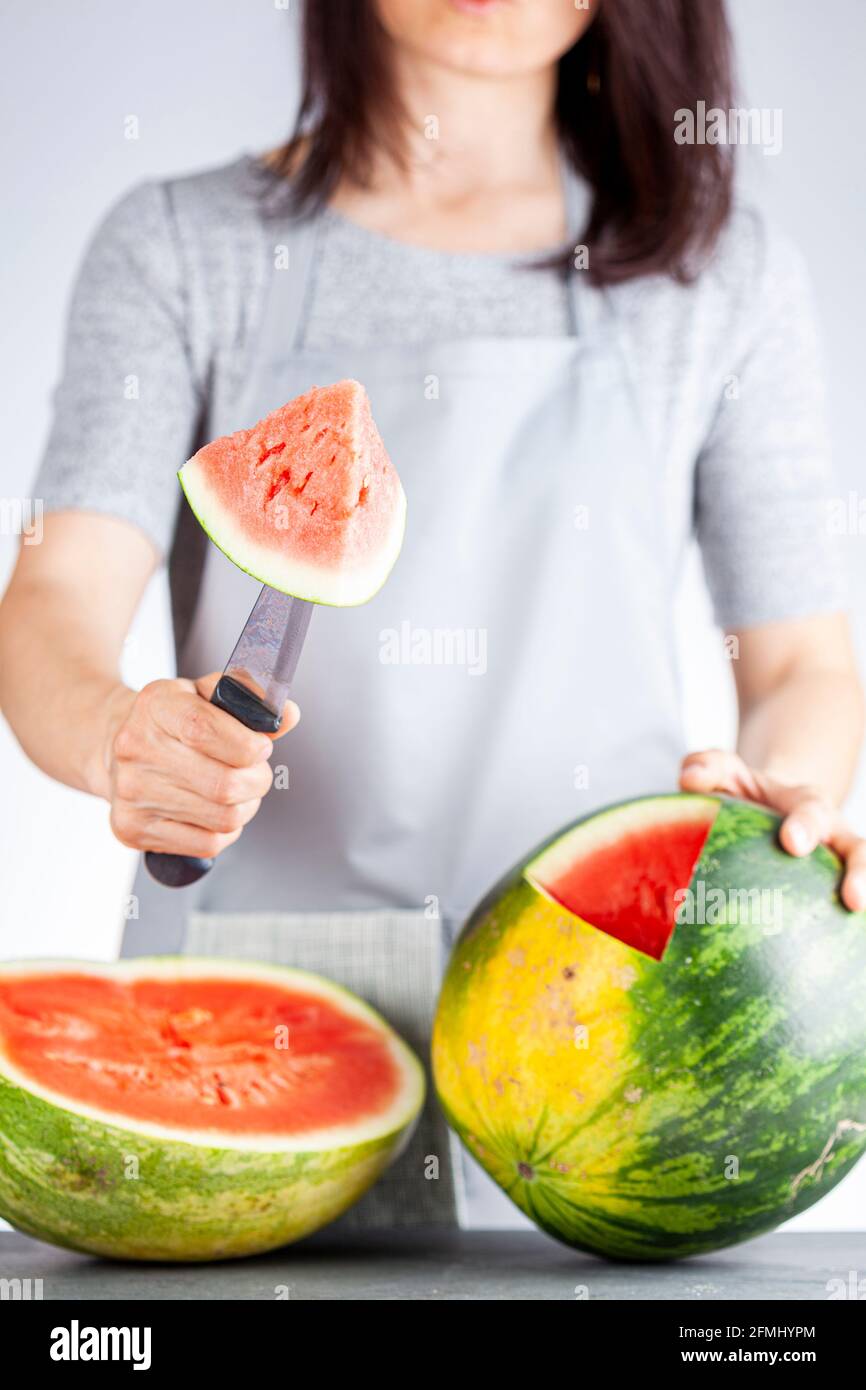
[109, 1189]
[726, 1067]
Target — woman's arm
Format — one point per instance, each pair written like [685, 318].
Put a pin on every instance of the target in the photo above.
[801, 727]
[63, 620]
[181, 775]
[801, 702]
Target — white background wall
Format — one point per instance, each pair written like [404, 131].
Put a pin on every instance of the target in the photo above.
[208, 79]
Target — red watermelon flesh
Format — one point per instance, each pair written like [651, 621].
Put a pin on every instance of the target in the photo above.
[307, 500]
[199, 1054]
[624, 876]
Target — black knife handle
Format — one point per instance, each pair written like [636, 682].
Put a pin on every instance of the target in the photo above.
[180, 870]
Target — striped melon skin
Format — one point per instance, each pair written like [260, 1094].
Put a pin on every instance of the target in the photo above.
[130, 1192]
[645, 1109]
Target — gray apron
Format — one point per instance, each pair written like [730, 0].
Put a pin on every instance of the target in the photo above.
[515, 671]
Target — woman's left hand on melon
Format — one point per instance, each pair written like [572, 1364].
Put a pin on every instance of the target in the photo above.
[810, 818]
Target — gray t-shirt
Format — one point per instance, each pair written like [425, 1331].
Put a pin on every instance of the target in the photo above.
[370, 288]
[167, 304]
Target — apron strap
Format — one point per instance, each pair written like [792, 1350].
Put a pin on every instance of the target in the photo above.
[585, 301]
[287, 248]
[291, 249]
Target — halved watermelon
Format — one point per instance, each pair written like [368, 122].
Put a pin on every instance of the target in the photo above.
[183, 1109]
[307, 500]
[652, 1033]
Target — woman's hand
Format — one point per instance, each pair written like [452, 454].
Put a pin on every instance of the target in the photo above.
[810, 818]
[182, 776]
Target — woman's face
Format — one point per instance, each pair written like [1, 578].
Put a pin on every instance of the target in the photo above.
[495, 38]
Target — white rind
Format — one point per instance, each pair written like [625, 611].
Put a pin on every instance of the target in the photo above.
[339, 589]
[405, 1107]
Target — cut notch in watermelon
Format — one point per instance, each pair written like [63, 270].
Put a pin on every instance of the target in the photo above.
[621, 871]
[307, 500]
[211, 1052]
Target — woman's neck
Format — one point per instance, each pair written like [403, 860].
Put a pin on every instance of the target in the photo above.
[476, 166]
[466, 132]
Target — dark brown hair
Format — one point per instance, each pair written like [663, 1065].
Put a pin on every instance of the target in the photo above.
[657, 206]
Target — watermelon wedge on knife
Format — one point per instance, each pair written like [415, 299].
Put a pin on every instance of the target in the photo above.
[308, 502]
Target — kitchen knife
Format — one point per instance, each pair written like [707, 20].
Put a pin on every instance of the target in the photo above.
[253, 688]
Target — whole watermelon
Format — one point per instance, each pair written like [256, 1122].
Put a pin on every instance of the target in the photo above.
[665, 1101]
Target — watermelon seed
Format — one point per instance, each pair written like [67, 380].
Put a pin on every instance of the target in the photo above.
[276, 449]
[281, 480]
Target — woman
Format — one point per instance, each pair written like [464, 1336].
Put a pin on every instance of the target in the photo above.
[563, 420]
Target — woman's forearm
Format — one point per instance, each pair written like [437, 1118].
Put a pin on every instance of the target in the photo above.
[60, 697]
[807, 730]
[63, 621]
[801, 702]
[801, 726]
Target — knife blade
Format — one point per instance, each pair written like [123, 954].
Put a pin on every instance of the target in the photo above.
[253, 688]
